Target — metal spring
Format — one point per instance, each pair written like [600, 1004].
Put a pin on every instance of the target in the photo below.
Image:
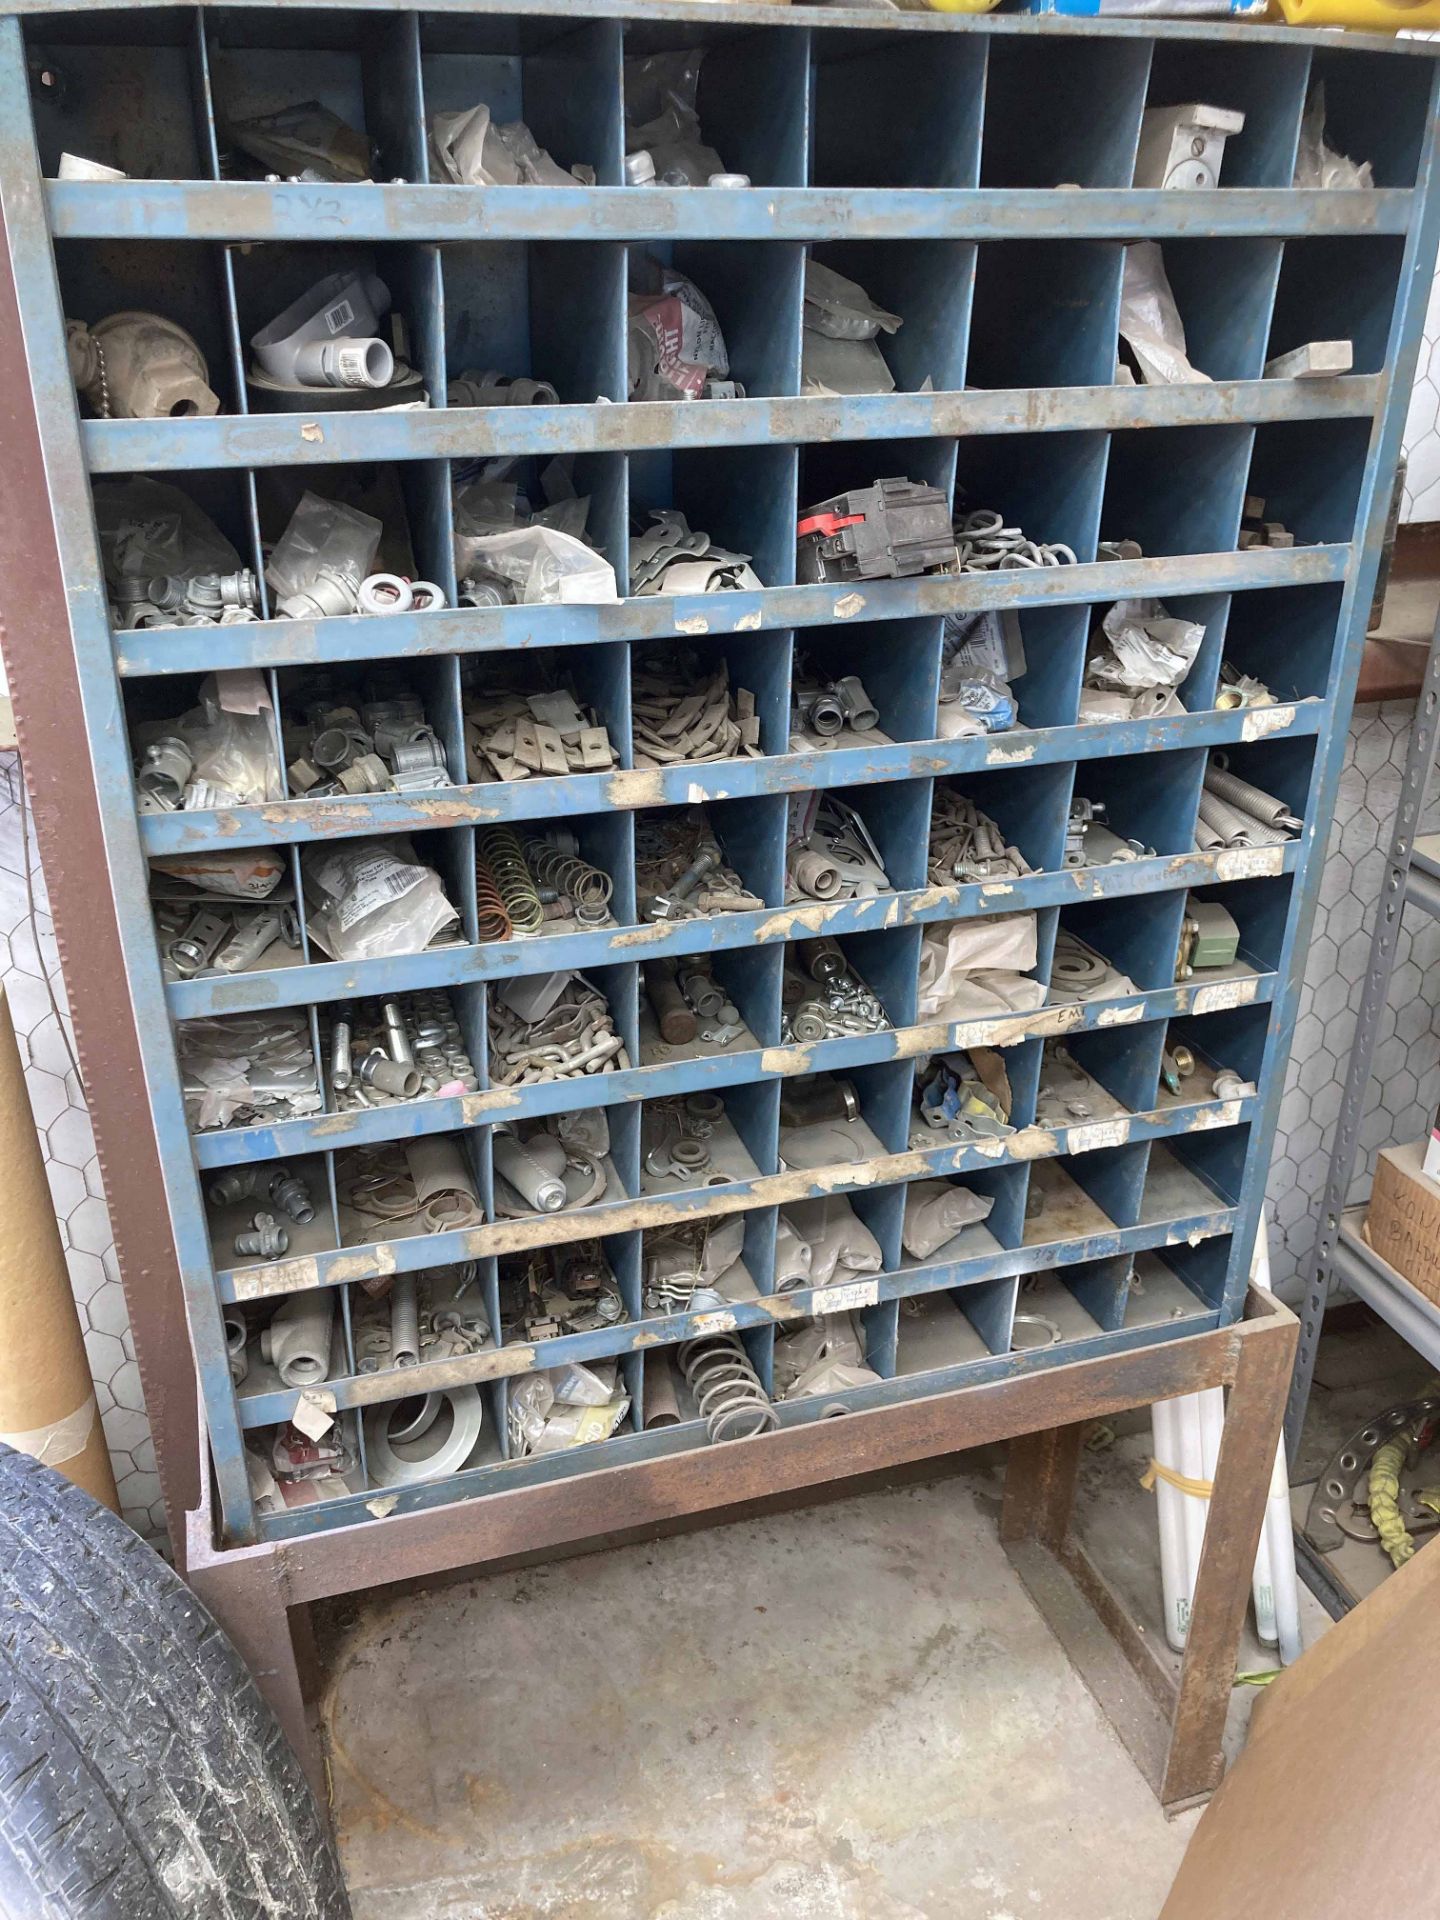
[501, 852]
[492, 921]
[567, 873]
[727, 1389]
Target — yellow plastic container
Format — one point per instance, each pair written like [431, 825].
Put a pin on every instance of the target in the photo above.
[1375, 16]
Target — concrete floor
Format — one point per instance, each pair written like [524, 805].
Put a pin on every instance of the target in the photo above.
[850, 1713]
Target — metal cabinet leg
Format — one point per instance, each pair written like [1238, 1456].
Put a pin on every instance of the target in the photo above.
[1040, 1478]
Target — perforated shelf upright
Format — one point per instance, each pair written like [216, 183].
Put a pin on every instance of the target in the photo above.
[974, 174]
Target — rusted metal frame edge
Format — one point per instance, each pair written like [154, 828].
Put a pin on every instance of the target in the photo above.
[158, 651]
[757, 13]
[293, 440]
[458, 1534]
[105, 757]
[1372, 512]
[246, 212]
[43, 675]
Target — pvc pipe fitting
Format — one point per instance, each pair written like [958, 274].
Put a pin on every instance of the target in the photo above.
[297, 1340]
[399, 1456]
[326, 338]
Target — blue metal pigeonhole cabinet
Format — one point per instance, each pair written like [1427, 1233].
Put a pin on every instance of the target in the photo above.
[741, 944]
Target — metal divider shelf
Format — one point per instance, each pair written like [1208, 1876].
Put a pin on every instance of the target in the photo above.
[993, 216]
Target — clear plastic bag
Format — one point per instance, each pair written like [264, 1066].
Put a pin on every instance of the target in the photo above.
[543, 567]
[470, 150]
[841, 309]
[674, 343]
[237, 873]
[662, 117]
[1319, 165]
[232, 742]
[974, 969]
[370, 899]
[324, 536]
[1150, 323]
[1148, 648]
[306, 138]
[935, 1211]
[976, 703]
[840, 1243]
[148, 528]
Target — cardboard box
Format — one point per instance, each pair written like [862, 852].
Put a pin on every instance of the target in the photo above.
[1403, 1223]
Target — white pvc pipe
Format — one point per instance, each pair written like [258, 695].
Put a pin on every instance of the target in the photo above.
[1277, 1538]
[1168, 1504]
[1192, 1465]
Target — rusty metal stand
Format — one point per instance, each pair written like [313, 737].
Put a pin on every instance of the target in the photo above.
[261, 1595]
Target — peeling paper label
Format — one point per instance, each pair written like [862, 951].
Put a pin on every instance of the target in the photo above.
[704, 1323]
[848, 605]
[313, 432]
[1248, 863]
[693, 623]
[845, 1299]
[1000, 756]
[281, 1276]
[1122, 1016]
[993, 889]
[784, 1060]
[384, 1506]
[1222, 994]
[1259, 722]
[1100, 1133]
[314, 1412]
[748, 623]
[1208, 1118]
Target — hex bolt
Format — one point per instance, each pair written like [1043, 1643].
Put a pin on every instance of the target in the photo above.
[267, 1240]
[694, 874]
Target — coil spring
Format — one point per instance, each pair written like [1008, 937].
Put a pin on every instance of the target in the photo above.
[492, 921]
[727, 1389]
[567, 873]
[501, 852]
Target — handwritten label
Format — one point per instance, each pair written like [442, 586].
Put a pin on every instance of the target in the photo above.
[1262, 721]
[858, 1293]
[1248, 863]
[713, 1323]
[1100, 1133]
[1223, 994]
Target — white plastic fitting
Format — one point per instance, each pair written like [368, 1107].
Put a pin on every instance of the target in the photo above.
[297, 1340]
[327, 338]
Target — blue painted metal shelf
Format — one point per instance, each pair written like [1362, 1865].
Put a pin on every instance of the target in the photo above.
[973, 172]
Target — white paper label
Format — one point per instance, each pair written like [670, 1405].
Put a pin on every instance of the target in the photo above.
[1101, 1133]
[845, 1299]
[1248, 863]
[712, 1323]
[372, 881]
[314, 1412]
[1222, 994]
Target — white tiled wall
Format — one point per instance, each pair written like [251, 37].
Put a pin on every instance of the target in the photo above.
[28, 958]
[1421, 499]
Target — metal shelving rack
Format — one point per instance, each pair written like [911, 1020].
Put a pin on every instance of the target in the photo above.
[1412, 879]
[976, 174]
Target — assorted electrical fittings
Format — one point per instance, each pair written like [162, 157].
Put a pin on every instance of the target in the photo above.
[558, 1290]
[292, 1470]
[1146, 654]
[262, 1193]
[689, 1003]
[681, 716]
[821, 710]
[830, 853]
[379, 743]
[1184, 146]
[964, 1098]
[511, 734]
[426, 1437]
[468, 149]
[822, 1357]
[397, 1188]
[139, 366]
[839, 348]
[984, 543]
[888, 531]
[380, 1052]
[568, 1406]
[247, 1069]
[674, 347]
[166, 562]
[1090, 842]
[1233, 813]
[554, 1165]
[667, 558]
[1209, 937]
[414, 1318]
[966, 845]
[373, 899]
[221, 936]
[537, 885]
[219, 753]
[1241, 690]
[683, 1139]
[663, 141]
[1078, 974]
[680, 869]
[1067, 1094]
[474, 388]
[328, 341]
[823, 998]
[509, 553]
[1178, 1064]
[981, 653]
[196, 600]
[695, 1267]
[551, 1026]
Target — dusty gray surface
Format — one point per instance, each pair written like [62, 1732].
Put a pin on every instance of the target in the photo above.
[852, 1713]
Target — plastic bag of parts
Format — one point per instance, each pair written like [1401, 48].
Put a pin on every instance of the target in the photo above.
[322, 556]
[840, 1243]
[557, 1409]
[469, 150]
[147, 528]
[306, 139]
[370, 899]
[828, 1356]
[662, 118]
[838, 350]
[935, 1211]
[674, 346]
[982, 654]
[1149, 649]
[973, 969]
[1318, 165]
[1150, 323]
[262, 1061]
[236, 873]
[231, 741]
[538, 565]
